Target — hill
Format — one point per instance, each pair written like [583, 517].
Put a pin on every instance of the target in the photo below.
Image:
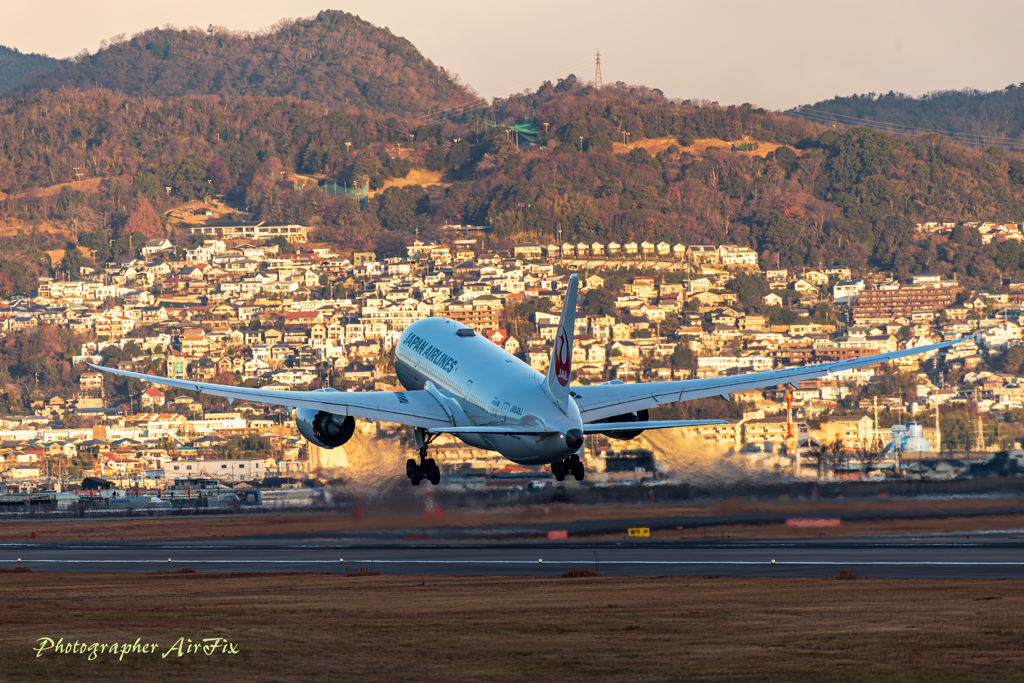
[334, 58]
[968, 116]
[796, 192]
[16, 66]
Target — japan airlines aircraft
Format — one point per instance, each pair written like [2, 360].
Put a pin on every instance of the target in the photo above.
[458, 382]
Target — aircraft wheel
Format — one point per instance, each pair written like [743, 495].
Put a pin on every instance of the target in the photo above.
[578, 470]
[417, 475]
[560, 471]
[435, 475]
[410, 464]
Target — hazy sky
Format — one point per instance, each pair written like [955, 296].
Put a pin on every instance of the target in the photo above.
[774, 53]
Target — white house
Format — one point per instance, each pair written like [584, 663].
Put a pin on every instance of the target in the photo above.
[845, 292]
[153, 247]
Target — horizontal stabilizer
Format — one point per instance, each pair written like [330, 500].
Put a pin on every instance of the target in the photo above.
[609, 427]
[493, 429]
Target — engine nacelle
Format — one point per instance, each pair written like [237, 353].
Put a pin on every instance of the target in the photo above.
[639, 416]
[326, 430]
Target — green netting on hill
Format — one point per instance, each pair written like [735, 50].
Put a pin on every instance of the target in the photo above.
[527, 129]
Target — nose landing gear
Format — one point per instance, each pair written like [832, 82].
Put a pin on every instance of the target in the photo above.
[571, 465]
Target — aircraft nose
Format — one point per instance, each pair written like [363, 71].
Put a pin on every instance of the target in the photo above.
[574, 438]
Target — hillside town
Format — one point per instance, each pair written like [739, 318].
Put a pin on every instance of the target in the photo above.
[256, 305]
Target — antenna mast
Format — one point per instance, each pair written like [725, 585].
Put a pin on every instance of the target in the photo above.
[597, 72]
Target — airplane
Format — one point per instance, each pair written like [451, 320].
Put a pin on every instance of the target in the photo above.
[460, 383]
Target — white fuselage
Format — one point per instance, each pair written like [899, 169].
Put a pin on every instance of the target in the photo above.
[481, 384]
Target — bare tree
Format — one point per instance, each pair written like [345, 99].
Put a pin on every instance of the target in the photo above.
[870, 455]
[828, 457]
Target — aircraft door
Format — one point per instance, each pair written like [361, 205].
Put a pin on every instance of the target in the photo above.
[504, 412]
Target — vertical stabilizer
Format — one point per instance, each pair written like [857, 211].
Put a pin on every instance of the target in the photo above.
[560, 368]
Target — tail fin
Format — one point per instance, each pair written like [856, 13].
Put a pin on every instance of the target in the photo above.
[560, 369]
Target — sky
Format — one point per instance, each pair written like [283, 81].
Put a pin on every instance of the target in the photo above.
[775, 54]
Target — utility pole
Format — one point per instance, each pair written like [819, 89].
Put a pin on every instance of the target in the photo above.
[597, 72]
[875, 401]
[938, 434]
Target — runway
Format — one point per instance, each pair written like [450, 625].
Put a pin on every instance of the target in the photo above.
[962, 556]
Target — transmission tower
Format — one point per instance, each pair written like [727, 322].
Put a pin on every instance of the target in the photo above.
[597, 72]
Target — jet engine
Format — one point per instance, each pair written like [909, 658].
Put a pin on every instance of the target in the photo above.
[326, 430]
[638, 416]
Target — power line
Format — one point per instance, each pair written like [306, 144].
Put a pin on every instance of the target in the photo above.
[846, 119]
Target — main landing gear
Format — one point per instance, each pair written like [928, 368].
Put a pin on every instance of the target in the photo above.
[426, 468]
[571, 465]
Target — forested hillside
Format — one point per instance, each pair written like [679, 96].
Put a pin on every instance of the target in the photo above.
[335, 58]
[970, 116]
[15, 66]
[849, 197]
[799, 193]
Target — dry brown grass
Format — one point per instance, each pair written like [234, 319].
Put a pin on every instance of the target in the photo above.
[393, 628]
[45, 228]
[417, 176]
[338, 523]
[655, 145]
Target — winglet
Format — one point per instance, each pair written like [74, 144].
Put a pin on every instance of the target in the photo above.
[560, 369]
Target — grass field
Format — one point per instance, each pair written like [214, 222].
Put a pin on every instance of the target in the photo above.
[394, 628]
[417, 176]
[655, 145]
[384, 518]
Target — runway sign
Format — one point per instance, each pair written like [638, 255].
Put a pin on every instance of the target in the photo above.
[640, 532]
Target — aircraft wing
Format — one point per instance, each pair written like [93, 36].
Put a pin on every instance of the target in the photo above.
[613, 427]
[606, 400]
[415, 408]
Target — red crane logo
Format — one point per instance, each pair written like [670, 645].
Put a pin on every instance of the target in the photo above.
[563, 362]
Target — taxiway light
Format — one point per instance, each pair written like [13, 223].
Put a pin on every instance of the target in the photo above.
[773, 561]
[541, 561]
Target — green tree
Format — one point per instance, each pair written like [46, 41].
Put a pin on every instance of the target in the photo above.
[682, 357]
[435, 158]
[787, 159]
[600, 301]
[599, 141]
[749, 289]
[404, 208]
[187, 178]
[72, 261]
[1013, 360]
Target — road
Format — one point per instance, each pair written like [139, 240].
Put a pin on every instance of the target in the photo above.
[985, 555]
